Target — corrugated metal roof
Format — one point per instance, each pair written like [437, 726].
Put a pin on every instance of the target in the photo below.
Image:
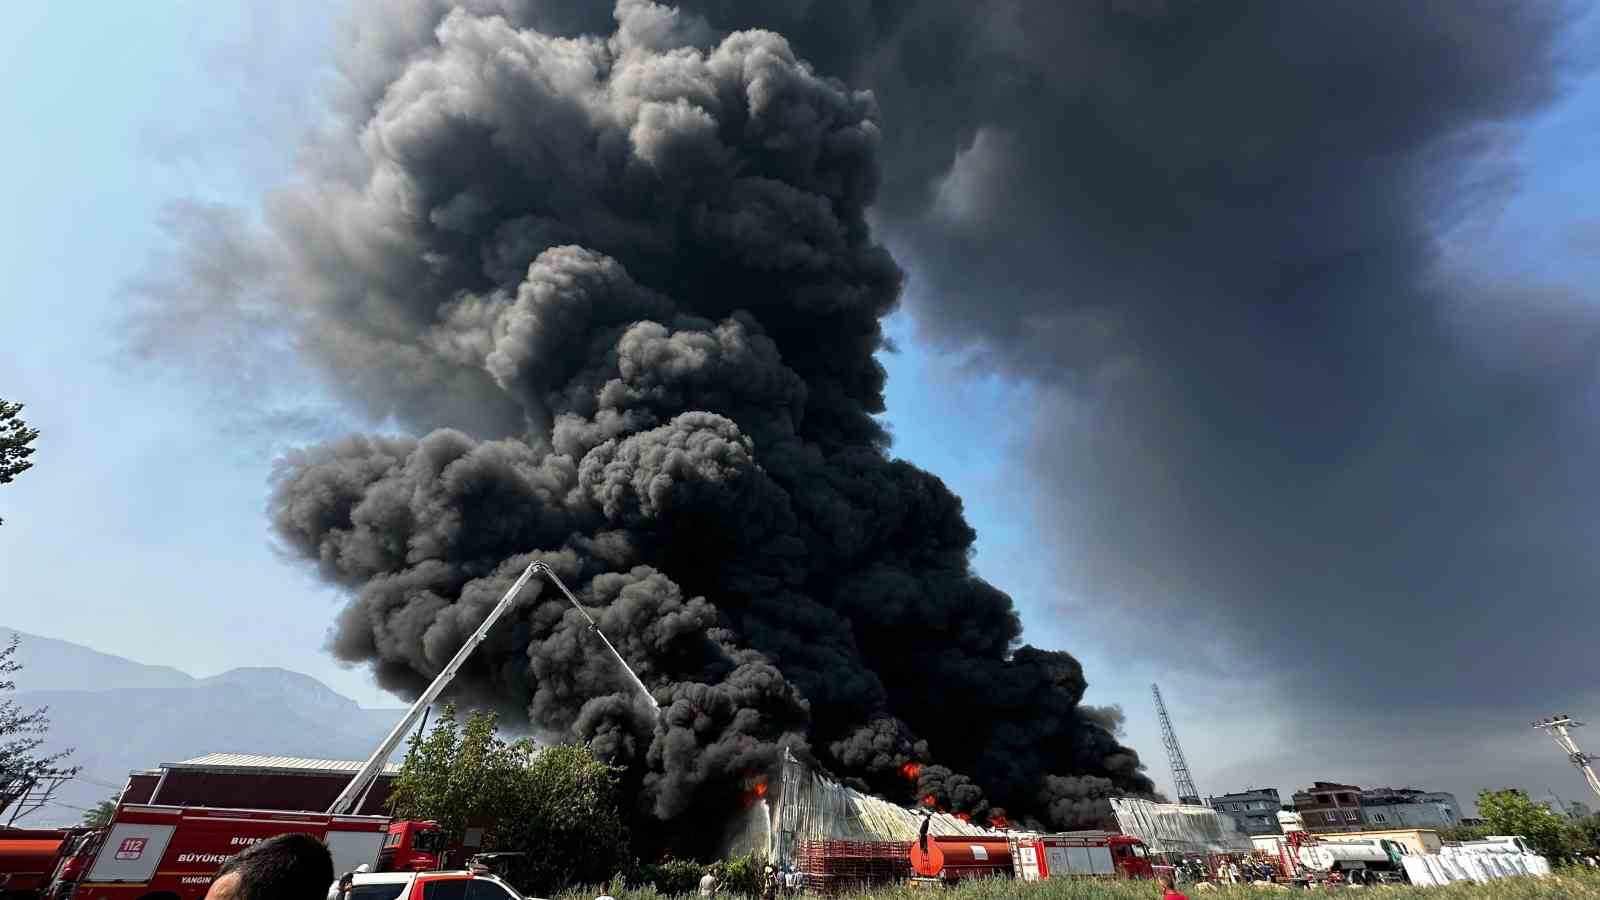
[257, 762]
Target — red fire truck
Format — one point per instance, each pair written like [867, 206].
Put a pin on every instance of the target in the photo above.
[1037, 856]
[28, 858]
[1030, 857]
[172, 852]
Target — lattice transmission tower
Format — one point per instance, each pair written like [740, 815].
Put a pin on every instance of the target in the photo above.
[1556, 727]
[1187, 794]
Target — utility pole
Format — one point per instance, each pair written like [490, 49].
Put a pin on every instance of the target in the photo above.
[1187, 794]
[1557, 727]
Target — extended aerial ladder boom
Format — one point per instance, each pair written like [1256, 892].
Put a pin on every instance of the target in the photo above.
[350, 797]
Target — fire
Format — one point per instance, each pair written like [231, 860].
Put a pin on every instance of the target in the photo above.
[930, 801]
[755, 787]
[998, 820]
[963, 817]
[911, 770]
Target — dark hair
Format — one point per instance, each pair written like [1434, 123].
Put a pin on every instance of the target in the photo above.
[287, 867]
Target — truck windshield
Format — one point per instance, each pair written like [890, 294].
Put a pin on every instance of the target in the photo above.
[428, 841]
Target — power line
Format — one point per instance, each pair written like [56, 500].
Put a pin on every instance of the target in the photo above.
[1557, 727]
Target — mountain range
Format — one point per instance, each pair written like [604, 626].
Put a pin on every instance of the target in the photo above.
[119, 715]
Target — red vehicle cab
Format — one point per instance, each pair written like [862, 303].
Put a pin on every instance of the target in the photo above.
[412, 847]
[1130, 856]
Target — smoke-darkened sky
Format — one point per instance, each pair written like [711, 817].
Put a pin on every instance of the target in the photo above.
[1299, 420]
[1298, 416]
[1296, 403]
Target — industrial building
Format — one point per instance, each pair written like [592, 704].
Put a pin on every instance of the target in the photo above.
[1254, 810]
[248, 781]
[1409, 808]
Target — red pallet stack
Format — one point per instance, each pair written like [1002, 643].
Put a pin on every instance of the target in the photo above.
[835, 867]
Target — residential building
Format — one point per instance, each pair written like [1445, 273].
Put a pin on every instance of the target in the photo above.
[1328, 807]
[1254, 810]
[1333, 808]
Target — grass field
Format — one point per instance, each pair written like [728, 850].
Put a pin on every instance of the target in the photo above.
[1566, 883]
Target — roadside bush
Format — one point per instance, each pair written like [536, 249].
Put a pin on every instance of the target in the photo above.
[742, 875]
[670, 877]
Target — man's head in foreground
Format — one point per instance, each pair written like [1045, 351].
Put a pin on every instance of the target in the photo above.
[287, 867]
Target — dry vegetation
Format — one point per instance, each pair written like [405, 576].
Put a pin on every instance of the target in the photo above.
[1568, 883]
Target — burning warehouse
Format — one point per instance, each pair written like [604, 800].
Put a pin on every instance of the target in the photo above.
[618, 297]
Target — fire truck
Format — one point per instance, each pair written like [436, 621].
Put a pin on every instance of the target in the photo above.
[1102, 854]
[28, 858]
[155, 851]
[172, 853]
[1029, 857]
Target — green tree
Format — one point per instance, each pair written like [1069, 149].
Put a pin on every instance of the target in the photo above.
[21, 735]
[15, 436]
[556, 804]
[452, 775]
[1587, 830]
[1511, 812]
[1458, 833]
[563, 812]
[101, 814]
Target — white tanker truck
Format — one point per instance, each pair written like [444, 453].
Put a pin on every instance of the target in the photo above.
[1344, 856]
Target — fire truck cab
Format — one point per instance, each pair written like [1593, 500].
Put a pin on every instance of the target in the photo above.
[412, 847]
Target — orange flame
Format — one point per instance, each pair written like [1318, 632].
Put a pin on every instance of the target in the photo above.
[754, 789]
[963, 817]
[911, 770]
[930, 801]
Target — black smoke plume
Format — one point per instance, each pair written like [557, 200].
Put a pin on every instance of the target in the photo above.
[1301, 410]
[621, 297]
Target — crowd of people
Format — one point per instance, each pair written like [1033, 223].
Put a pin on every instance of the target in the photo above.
[1227, 870]
[776, 883]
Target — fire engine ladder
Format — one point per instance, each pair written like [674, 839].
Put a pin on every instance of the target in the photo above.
[349, 800]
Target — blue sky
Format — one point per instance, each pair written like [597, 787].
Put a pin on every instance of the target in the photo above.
[141, 531]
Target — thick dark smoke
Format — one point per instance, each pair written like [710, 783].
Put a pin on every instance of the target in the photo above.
[621, 296]
[1292, 415]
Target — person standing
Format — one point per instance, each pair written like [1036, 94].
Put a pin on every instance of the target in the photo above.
[708, 884]
[605, 892]
[1168, 892]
